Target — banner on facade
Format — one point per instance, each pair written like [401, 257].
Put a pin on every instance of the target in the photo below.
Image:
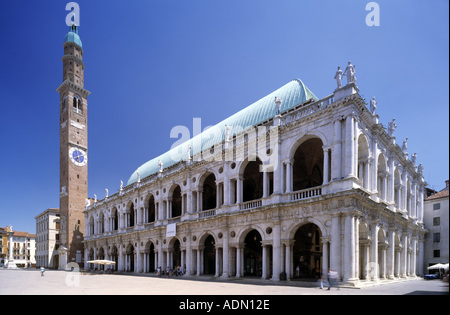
[171, 230]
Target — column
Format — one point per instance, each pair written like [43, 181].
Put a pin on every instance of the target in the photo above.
[325, 241]
[238, 261]
[239, 188]
[265, 184]
[335, 245]
[391, 183]
[264, 261]
[349, 146]
[404, 195]
[420, 205]
[390, 258]
[404, 256]
[289, 176]
[336, 153]
[325, 166]
[198, 261]
[276, 251]
[374, 168]
[188, 195]
[349, 241]
[419, 268]
[225, 272]
[288, 260]
[216, 249]
[374, 255]
[278, 170]
[413, 256]
[188, 256]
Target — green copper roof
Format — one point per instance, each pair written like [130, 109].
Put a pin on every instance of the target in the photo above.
[291, 94]
[73, 37]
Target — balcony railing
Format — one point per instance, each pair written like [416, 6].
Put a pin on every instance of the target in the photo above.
[306, 193]
[207, 213]
[250, 204]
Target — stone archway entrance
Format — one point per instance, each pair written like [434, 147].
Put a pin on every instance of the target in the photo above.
[253, 254]
[307, 252]
[176, 254]
[209, 256]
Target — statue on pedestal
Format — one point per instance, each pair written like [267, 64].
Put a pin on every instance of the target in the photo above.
[391, 127]
[373, 105]
[278, 105]
[350, 72]
[338, 77]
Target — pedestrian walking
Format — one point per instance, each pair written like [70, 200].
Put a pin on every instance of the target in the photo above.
[332, 279]
[42, 271]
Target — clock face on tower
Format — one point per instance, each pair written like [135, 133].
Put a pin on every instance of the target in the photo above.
[78, 156]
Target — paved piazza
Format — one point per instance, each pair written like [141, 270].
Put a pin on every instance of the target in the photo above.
[30, 282]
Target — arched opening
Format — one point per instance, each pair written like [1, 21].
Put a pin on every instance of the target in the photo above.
[364, 248]
[307, 252]
[151, 213]
[101, 226]
[176, 254]
[209, 192]
[101, 256]
[209, 256]
[253, 181]
[115, 220]
[308, 165]
[91, 225]
[131, 215]
[253, 254]
[91, 257]
[150, 252]
[130, 258]
[115, 257]
[176, 202]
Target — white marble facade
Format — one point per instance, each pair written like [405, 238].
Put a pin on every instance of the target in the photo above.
[341, 194]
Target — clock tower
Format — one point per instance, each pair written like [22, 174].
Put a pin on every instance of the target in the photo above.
[73, 151]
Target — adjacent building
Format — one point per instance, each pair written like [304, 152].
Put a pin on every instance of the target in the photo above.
[436, 220]
[47, 238]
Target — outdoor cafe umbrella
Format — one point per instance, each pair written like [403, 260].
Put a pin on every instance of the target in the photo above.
[101, 262]
[437, 266]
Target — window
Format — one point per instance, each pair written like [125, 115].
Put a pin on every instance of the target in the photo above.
[436, 237]
[436, 221]
[436, 206]
[77, 105]
[436, 253]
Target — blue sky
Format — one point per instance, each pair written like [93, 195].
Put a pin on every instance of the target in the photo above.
[152, 65]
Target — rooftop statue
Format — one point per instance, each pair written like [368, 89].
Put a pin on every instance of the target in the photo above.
[391, 127]
[338, 77]
[350, 72]
[278, 104]
[373, 105]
